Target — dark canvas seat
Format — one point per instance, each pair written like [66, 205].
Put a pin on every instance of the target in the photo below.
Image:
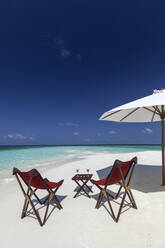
[34, 181]
[121, 174]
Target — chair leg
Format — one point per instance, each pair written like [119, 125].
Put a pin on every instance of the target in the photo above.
[25, 207]
[130, 195]
[38, 199]
[57, 202]
[99, 200]
[110, 206]
[45, 216]
[117, 194]
[121, 205]
[45, 200]
[131, 198]
[35, 212]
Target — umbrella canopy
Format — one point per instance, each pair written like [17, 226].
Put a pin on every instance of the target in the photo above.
[147, 109]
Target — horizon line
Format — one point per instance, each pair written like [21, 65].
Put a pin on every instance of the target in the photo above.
[87, 145]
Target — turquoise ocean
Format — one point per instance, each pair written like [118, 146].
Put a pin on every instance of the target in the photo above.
[43, 157]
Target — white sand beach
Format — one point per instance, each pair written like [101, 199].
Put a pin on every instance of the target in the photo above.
[79, 224]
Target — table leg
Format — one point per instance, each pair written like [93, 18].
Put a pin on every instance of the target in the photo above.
[81, 187]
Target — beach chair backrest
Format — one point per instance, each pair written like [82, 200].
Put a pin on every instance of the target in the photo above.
[120, 171]
[31, 178]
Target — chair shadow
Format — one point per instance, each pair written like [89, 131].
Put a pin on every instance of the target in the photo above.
[38, 206]
[146, 178]
[104, 200]
[77, 188]
[82, 192]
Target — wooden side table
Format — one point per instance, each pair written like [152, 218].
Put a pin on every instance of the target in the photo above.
[82, 180]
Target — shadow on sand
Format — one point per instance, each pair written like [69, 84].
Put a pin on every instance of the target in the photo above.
[39, 207]
[146, 178]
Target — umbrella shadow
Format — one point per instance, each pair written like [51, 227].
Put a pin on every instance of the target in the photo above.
[146, 178]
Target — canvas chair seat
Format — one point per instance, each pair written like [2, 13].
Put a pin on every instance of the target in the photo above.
[121, 174]
[36, 182]
[33, 182]
[116, 175]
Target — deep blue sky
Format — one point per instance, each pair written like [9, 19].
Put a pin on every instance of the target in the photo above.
[64, 63]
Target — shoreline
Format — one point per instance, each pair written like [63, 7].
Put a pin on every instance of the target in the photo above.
[61, 160]
[43, 157]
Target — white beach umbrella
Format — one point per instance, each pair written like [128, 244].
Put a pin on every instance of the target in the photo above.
[147, 109]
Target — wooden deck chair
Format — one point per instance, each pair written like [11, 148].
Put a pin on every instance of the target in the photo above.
[121, 174]
[34, 181]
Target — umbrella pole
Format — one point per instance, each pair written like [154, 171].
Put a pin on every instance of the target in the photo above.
[163, 164]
